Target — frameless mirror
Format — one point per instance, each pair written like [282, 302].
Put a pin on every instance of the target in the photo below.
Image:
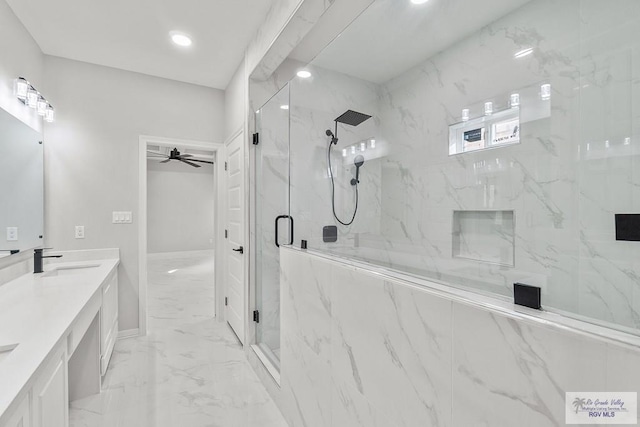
[22, 180]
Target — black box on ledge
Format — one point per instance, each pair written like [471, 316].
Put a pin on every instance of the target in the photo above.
[527, 295]
[628, 227]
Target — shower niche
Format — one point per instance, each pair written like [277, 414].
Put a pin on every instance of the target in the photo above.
[487, 236]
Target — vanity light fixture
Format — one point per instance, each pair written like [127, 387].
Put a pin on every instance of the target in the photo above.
[30, 96]
[22, 86]
[49, 114]
[344, 152]
[514, 100]
[41, 107]
[353, 149]
[180, 39]
[627, 141]
[545, 92]
[303, 74]
[524, 52]
[488, 108]
[363, 146]
[372, 143]
[465, 115]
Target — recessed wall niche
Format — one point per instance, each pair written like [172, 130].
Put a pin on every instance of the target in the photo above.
[487, 236]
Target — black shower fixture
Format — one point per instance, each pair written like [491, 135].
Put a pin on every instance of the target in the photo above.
[351, 118]
[358, 162]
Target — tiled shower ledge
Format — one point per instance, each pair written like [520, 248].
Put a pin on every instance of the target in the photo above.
[490, 303]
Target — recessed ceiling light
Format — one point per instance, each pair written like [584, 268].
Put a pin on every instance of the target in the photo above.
[284, 107]
[181, 39]
[524, 52]
[419, 1]
[304, 74]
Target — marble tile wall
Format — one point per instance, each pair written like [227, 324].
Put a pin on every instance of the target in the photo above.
[360, 349]
[565, 181]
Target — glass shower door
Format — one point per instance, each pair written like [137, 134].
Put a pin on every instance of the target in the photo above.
[273, 225]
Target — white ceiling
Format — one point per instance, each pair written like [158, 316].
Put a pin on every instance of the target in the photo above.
[133, 35]
[392, 36]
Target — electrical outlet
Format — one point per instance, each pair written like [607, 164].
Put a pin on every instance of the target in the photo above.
[12, 234]
[79, 231]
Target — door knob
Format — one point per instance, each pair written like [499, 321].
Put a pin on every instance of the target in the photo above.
[240, 249]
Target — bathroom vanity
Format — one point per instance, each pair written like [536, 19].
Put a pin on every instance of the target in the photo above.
[58, 332]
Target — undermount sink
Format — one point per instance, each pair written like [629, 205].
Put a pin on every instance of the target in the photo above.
[69, 270]
[5, 350]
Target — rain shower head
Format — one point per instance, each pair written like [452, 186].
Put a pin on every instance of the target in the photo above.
[352, 118]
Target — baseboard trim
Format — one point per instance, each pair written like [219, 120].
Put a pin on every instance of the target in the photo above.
[128, 333]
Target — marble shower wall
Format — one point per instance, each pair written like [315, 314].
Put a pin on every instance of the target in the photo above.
[360, 349]
[572, 171]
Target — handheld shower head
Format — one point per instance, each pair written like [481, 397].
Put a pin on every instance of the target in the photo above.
[358, 162]
[334, 139]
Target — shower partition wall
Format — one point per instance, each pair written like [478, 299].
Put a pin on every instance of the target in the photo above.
[273, 224]
[504, 141]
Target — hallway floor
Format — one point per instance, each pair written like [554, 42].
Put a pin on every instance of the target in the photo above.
[189, 371]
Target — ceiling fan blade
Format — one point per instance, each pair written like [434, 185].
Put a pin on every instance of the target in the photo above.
[166, 161]
[186, 155]
[156, 152]
[189, 163]
[201, 161]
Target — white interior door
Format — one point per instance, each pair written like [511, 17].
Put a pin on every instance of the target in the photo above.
[235, 309]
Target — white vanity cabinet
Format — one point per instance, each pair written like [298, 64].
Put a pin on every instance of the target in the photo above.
[22, 416]
[50, 394]
[57, 357]
[108, 321]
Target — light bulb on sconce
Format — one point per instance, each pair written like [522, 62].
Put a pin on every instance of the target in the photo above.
[372, 143]
[21, 88]
[488, 108]
[363, 146]
[49, 114]
[41, 107]
[353, 149]
[545, 92]
[514, 100]
[465, 115]
[32, 97]
[344, 152]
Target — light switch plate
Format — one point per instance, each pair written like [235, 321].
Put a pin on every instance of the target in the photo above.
[12, 234]
[120, 217]
[79, 231]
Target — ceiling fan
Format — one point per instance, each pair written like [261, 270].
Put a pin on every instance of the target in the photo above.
[184, 158]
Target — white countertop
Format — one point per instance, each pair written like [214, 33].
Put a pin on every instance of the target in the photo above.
[36, 312]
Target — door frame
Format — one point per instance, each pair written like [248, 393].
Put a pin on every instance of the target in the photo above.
[219, 217]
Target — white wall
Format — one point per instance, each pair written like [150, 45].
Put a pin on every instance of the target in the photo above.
[91, 158]
[180, 207]
[235, 101]
[21, 57]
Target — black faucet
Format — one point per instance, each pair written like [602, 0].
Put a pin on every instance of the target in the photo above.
[37, 259]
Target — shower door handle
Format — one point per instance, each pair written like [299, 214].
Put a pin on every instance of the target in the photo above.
[278, 218]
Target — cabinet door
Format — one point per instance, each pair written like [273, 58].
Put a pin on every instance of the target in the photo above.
[108, 321]
[22, 417]
[51, 399]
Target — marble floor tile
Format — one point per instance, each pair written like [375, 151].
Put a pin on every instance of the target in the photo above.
[189, 371]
